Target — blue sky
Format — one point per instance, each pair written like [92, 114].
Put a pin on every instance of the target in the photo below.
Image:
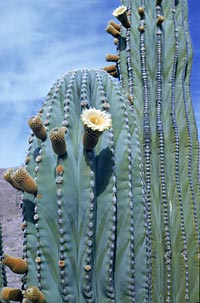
[42, 40]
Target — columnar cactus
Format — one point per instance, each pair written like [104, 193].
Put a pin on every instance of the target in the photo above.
[3, 278]
[111, 208]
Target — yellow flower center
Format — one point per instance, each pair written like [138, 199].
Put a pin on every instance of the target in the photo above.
[96, 120]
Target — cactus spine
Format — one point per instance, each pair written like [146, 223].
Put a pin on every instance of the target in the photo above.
[119, 221]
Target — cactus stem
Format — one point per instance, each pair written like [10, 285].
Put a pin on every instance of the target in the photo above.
[129, 62]
[37, 127]
[158, 2]
[162, 163]
[14, 294]
[147, 152]
[121, 14]
[17, 265]
[57, 137]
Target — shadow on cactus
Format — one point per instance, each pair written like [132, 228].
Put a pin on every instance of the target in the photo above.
[111, 185]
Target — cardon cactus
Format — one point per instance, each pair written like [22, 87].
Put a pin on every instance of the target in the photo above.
[3, 278]
[111, 187]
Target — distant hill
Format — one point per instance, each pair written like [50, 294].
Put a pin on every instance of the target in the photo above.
[11, 220]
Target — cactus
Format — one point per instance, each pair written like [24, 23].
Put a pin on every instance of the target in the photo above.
[113, 214]
[3, 277]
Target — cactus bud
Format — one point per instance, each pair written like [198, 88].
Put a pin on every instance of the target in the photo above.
[34, 295]
[115, 25]
[21, 179]
[57, 136]
[141, 11]
[121, 14]
[8, 177]
[24, 180]
[17, 265]
[112, 31]
[110, 68]
[37, 127]
[112, 58]
[160, 20]
[13, 294]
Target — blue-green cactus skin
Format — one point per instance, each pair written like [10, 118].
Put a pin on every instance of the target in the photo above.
[158, 67]
[120, 223]
[93, 215]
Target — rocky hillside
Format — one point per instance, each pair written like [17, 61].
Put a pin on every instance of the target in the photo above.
[10, 217]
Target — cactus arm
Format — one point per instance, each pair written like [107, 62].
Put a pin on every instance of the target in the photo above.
[88, 202]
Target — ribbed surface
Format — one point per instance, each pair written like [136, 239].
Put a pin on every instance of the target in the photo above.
[88, 220]
[161, 96]
[120, 223]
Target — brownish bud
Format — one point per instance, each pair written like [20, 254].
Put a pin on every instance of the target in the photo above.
[112, 58]
[24, 180]
[110, 68]
[141, 11]
[57, 136]
[17, 265]
[115, 25]
[116, 41]
[61, 264]
[160, 20]
[141, 28]
[112, 31]
[34, 295]
[8, 177]
[38, 127]
[14, 294]
[21, 180]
